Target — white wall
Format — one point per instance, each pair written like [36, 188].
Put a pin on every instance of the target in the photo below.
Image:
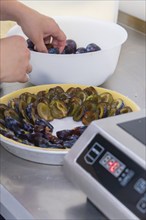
[100, 9]
[136, 8]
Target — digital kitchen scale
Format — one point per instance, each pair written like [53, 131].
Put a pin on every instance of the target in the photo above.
[108, 162]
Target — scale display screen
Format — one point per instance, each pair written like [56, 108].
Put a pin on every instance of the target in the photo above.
[112, 164]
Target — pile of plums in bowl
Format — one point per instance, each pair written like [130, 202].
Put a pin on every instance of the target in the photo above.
[70, 47]
[90, 68]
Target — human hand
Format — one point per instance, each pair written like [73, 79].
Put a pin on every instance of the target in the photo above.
[42, 30]
[14, 62]
[39, 28]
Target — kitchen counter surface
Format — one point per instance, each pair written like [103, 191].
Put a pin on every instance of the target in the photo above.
[35, 191]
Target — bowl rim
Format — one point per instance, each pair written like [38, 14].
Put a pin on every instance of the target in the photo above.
[104, 22]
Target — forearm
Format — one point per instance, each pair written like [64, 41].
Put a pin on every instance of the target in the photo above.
[39, 28]
[13, 10]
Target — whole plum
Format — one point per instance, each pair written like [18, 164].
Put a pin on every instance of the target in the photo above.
[81, 50]
[70, 47]
[53, 51]
[92, 47]
[30, 44]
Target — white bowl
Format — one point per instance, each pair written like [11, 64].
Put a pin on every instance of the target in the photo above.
[89, 68]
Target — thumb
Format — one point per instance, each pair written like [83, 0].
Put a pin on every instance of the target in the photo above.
[40, 46]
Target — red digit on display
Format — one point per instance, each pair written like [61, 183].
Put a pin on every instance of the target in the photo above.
[113, 167]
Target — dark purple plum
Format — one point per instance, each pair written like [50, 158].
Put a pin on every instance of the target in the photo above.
[53, 51]
[70, 47]
[29, 110]
[52, 138]
[30, 44]
[8, 133]
[81, 50]
[39, 129]
[44, 123]
[12, 124]
[69, 144]
[63, 134]
[27, 126]
[79, 130]
[92, 47]
[21, 134]
[44, 143]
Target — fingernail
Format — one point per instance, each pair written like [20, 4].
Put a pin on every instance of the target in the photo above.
[28, 77]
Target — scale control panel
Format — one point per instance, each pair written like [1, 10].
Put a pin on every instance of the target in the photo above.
[117, 172]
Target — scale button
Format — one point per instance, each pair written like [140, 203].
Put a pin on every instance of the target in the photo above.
[123, 174]
[98, 148]
[127, 178]
[120, 179]
[118, 172]
[141, 205]
[89, 159]
[93, 154]
[140, 185]
[126, 170]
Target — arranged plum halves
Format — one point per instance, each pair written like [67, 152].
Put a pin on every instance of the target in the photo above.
[27, 118]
